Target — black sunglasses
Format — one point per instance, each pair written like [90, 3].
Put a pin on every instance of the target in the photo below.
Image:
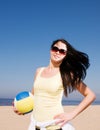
[56, 49]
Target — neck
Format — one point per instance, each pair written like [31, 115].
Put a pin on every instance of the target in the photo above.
[53, 66]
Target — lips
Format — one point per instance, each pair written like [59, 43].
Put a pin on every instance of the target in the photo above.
[56, 56]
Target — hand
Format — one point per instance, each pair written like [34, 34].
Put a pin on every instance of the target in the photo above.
[15, 110]
[63, 118]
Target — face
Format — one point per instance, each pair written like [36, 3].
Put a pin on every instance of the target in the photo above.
[58, 52]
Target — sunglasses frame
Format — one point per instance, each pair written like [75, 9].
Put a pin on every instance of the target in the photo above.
[56, 49]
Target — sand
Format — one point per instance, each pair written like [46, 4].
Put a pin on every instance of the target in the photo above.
[87, 120]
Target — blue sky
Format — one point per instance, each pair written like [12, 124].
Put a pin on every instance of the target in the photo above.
[27, 29]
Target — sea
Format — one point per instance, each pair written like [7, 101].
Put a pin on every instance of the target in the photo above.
[8, 102]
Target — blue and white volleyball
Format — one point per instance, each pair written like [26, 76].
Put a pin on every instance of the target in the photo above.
[24, 102]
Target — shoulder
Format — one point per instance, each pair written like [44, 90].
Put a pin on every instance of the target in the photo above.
[38, 71]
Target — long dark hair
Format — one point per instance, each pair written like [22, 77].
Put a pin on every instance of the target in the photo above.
[73, 67]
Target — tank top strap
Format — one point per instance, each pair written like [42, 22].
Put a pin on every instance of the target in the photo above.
[40, 71]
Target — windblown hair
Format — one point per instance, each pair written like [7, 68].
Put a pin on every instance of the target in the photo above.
[73, 67]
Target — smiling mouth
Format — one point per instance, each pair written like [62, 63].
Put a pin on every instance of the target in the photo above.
[56, 56]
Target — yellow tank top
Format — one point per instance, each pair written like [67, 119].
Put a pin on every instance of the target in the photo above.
[48, 94]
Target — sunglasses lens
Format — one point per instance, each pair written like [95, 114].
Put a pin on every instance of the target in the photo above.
[62, 51]
[56, 49]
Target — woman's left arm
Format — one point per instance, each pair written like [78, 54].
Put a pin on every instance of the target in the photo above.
[89, 97]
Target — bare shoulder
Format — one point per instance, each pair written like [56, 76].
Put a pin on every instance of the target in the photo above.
[38, 70]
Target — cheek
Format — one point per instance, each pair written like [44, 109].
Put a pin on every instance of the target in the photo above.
[51, 54]
[63, 56]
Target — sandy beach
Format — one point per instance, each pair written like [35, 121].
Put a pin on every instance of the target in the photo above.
[87, 120]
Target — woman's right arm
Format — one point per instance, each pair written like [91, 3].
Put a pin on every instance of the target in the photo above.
[32, 91]
[37, 71]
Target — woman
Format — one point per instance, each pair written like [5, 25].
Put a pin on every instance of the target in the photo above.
[64, 74]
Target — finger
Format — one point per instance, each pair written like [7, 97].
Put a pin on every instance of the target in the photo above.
[62, 124]
[58, 116]
[16, 111]
[55, 117]
[12, 103]
[58, 121]
[20, 113]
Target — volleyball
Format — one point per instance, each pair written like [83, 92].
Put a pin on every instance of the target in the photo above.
[24, 102]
